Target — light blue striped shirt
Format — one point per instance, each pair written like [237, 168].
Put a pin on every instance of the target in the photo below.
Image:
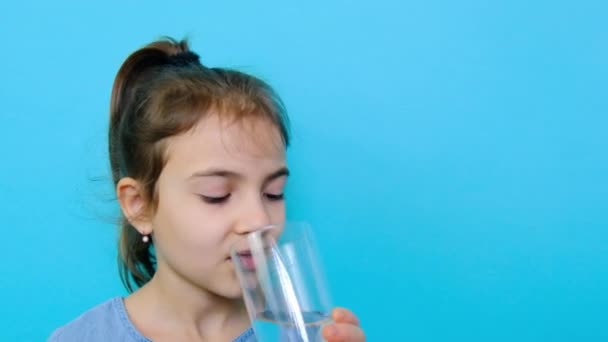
[109, 322]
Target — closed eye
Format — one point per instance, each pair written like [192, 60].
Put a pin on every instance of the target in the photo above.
[214, 200]
[275, 197]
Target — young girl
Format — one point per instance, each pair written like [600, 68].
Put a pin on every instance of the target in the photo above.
[198, 160]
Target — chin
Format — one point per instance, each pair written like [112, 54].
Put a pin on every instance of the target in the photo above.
[235, 295]
[231, 293]
[230, 288]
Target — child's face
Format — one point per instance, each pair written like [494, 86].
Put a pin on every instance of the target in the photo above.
[220, 181]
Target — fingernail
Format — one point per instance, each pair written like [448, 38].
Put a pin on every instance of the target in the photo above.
[338, 315]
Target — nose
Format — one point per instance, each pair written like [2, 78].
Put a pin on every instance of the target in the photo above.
[254, 216]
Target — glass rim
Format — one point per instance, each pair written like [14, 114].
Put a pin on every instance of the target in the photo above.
[268, 227]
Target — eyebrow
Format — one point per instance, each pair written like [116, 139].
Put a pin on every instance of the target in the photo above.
[231, 174]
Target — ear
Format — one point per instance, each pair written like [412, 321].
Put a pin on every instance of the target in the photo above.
[133, 204]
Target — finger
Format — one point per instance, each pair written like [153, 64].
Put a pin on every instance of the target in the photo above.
[342, 315]
[343, 332]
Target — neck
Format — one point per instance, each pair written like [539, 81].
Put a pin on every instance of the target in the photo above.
[170, 303]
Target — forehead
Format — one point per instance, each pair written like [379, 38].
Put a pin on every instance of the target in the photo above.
[217, 141]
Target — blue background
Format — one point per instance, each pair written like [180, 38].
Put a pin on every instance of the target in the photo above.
[451, 154]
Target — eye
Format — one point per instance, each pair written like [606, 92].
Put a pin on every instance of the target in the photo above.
[275, 197]
[214, 200]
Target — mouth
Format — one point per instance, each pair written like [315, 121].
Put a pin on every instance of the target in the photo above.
[245, 253]
[245, 260]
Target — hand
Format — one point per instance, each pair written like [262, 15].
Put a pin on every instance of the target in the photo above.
[345, 329]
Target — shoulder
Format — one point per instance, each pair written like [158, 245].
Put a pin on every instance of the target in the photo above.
[105, 322]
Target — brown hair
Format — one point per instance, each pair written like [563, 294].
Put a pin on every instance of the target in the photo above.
[162, 90]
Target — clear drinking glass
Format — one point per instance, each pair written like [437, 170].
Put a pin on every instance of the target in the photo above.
[283, 284]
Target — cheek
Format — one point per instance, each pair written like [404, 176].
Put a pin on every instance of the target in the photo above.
[276, 211]
[276, 233]
[184, 229]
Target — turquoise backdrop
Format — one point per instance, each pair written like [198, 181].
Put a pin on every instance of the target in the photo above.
[451, 155]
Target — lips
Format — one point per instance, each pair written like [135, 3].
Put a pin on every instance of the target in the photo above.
[244, 253]
[245, 260]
